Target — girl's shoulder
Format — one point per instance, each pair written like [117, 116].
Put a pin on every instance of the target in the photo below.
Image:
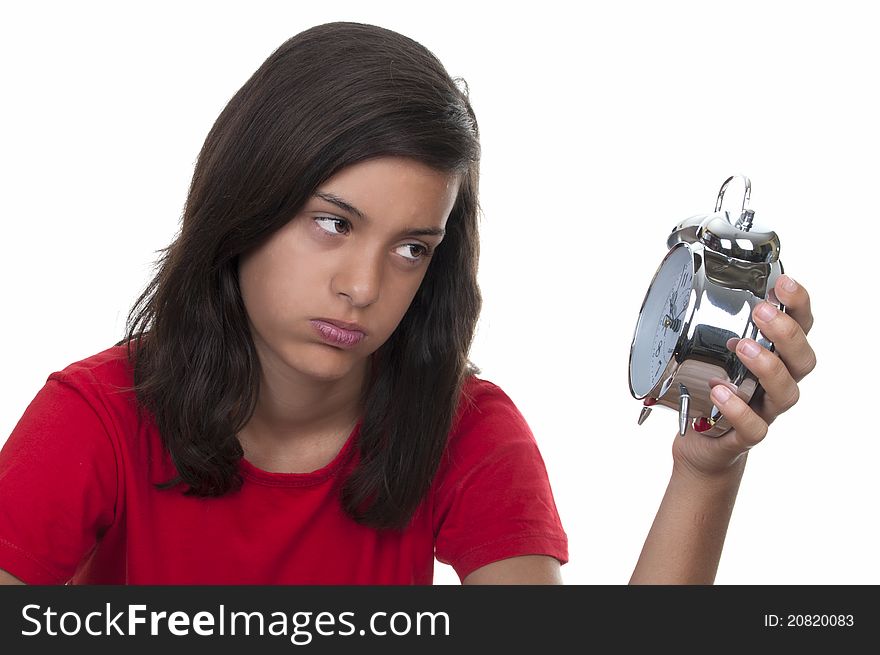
[487, 414]
[104, 381]
[108, 366]
[477, 391]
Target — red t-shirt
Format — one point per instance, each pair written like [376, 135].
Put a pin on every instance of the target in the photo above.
[78, 502]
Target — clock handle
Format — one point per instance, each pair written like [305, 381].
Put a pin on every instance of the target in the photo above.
[744, 222]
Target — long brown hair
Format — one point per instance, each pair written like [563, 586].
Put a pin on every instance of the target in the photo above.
[327, 98]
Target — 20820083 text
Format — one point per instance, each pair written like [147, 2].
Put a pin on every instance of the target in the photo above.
[809, 620]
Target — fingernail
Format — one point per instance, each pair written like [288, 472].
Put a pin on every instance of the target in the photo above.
[720, 393]
[748, 348]
[765, 311]
[789, 284]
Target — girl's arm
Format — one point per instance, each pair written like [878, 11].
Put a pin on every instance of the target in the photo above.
[8, 578]
[527, 569]
[685, 541]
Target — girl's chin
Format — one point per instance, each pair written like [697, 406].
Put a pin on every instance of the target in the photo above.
[329, 364]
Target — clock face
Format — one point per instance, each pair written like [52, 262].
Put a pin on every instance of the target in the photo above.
[661, 320]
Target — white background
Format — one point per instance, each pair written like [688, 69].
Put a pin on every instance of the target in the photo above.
[602, 126]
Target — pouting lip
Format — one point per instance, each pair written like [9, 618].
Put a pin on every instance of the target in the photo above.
[345, 325]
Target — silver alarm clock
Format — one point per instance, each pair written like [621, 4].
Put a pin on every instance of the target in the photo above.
[702, 294]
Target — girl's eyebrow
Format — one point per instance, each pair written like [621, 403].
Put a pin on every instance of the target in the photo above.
[342, 204]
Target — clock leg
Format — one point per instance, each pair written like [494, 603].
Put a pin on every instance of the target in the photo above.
[647, 405]
[684, 405]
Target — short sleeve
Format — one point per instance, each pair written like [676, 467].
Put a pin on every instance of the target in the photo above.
[492, 496]
[57, 486]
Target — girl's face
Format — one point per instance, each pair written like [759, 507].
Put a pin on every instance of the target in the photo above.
[327, 289]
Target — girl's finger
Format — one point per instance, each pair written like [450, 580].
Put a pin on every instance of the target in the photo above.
[749, 429]
[796, 301]
[788, 337]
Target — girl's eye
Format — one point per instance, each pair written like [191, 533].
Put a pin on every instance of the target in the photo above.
[332, 225]
[414, 252]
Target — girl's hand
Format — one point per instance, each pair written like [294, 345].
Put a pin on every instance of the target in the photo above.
[778, 373]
